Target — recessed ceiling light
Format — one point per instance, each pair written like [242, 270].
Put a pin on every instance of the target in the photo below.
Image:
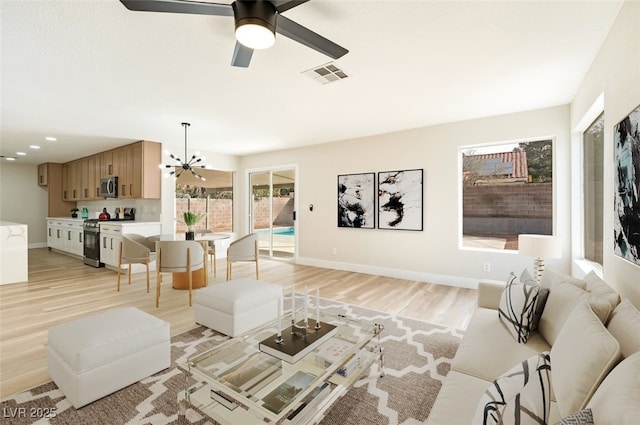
[50, 139]
[34, 147]
[9, 158]
[21, 153]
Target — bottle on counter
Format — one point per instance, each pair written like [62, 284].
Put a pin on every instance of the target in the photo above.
[104, 215]
[85, 213]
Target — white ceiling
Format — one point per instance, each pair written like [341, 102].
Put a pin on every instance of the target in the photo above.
[96, 75]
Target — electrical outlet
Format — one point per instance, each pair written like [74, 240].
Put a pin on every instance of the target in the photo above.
[334, 251]
[486, 267]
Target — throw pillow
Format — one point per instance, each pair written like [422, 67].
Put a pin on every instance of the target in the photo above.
[521, 396]
[615, 402]
[563, 298]
[517, 305]
[543, 294]
[624, 324]
[598, 288]
[582, 356]
[583, 417]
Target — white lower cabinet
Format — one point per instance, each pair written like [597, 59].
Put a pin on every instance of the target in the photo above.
[66, 235]
[111, 235]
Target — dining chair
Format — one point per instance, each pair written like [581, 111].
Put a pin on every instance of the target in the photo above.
[135, 249]
[211, 250]
[243, 249]
[179, 256]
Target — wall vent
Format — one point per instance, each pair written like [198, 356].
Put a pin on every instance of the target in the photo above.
[327, 73]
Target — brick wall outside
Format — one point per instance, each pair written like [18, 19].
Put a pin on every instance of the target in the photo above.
[221, 213]
[508, 208]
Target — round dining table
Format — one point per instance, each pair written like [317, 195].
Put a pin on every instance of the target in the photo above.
[181, 279]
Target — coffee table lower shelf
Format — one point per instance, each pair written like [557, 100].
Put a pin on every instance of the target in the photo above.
[199, 396]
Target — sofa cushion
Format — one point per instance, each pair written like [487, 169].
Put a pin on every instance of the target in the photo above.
[624, 325]
[517, 305]
[599, 288]
[552, 277]
[583, 354]
[616, 401]
[488, 349]
[520, 396]
[563, 298]
[582, 417]
[457, 399]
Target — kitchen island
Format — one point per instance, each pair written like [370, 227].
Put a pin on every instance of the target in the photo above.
[14, 263]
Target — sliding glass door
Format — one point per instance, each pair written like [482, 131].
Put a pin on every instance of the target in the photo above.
[273, 212]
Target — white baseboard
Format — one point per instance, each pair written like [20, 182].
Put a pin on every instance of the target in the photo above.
[37, 245]
[462, 282]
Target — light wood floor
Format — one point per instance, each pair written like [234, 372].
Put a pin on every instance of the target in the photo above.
[61, 288]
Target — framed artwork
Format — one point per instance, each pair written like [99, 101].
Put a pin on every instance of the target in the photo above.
[400, 200]
[356, 200]
[626, 221]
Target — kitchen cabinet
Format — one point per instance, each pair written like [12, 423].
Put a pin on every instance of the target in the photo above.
[70, 179]
[110, 237]
[50, 179]
[66, 235]
[139, 172]
[43, 174]
[111, 234]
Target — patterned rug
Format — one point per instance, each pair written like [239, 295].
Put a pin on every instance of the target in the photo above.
[417, 356]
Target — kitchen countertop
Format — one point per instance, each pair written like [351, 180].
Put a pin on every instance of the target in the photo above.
[120, 222]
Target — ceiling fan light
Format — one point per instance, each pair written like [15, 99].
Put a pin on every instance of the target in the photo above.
[255, 36]
[255, 23]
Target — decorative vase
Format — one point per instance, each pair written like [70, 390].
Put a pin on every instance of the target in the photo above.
[190, 235]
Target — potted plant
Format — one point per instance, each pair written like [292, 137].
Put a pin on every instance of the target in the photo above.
[74, 212]
[190, 219]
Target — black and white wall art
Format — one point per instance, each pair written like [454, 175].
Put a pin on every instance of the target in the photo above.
[356, 200]
[626, 226]
[400, 199]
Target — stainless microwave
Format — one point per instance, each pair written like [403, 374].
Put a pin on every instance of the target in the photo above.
[109, 187]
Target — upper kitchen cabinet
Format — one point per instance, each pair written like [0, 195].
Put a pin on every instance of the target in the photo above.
[50, 178]
[139, 173]
[135, 165]
[110, 161]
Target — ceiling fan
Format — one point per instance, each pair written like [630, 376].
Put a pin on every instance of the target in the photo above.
[256, 23]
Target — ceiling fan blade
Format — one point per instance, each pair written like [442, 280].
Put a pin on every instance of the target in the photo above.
[305, 36]
[241, 55]
[179, 6]
[282, 5]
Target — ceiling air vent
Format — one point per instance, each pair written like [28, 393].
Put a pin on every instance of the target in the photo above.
[327, 73]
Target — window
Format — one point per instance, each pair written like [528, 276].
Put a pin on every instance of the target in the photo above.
[212, 197]
[507, 190]
[592, 187]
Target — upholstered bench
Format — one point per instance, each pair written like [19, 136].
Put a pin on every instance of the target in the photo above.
[236, 306]
[91, 357]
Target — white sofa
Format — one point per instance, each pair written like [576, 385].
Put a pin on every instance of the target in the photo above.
[594, 345]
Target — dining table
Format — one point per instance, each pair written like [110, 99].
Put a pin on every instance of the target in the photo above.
[180, 280]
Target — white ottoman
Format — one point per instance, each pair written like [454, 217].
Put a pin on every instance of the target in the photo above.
[94, 356]
[236, 306]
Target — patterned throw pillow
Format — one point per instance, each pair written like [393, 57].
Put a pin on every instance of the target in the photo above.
[519, 397]
[582, 417]
[517, 305]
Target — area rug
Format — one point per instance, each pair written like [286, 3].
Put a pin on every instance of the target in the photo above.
[417, 357]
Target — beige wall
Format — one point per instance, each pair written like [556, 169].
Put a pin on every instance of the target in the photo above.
[615, 74]
[23, 201]
[433, 254]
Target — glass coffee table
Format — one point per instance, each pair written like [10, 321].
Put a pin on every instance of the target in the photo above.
[237, 383]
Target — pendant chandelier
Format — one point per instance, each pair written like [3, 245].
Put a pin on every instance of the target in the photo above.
[185, 165]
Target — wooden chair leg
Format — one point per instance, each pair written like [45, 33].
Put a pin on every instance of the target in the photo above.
[189, 274]
[158, 278]
[215, 268]
[147, 264]
[130, 274]
[257, 255]
[119, 266]
[228, 270]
